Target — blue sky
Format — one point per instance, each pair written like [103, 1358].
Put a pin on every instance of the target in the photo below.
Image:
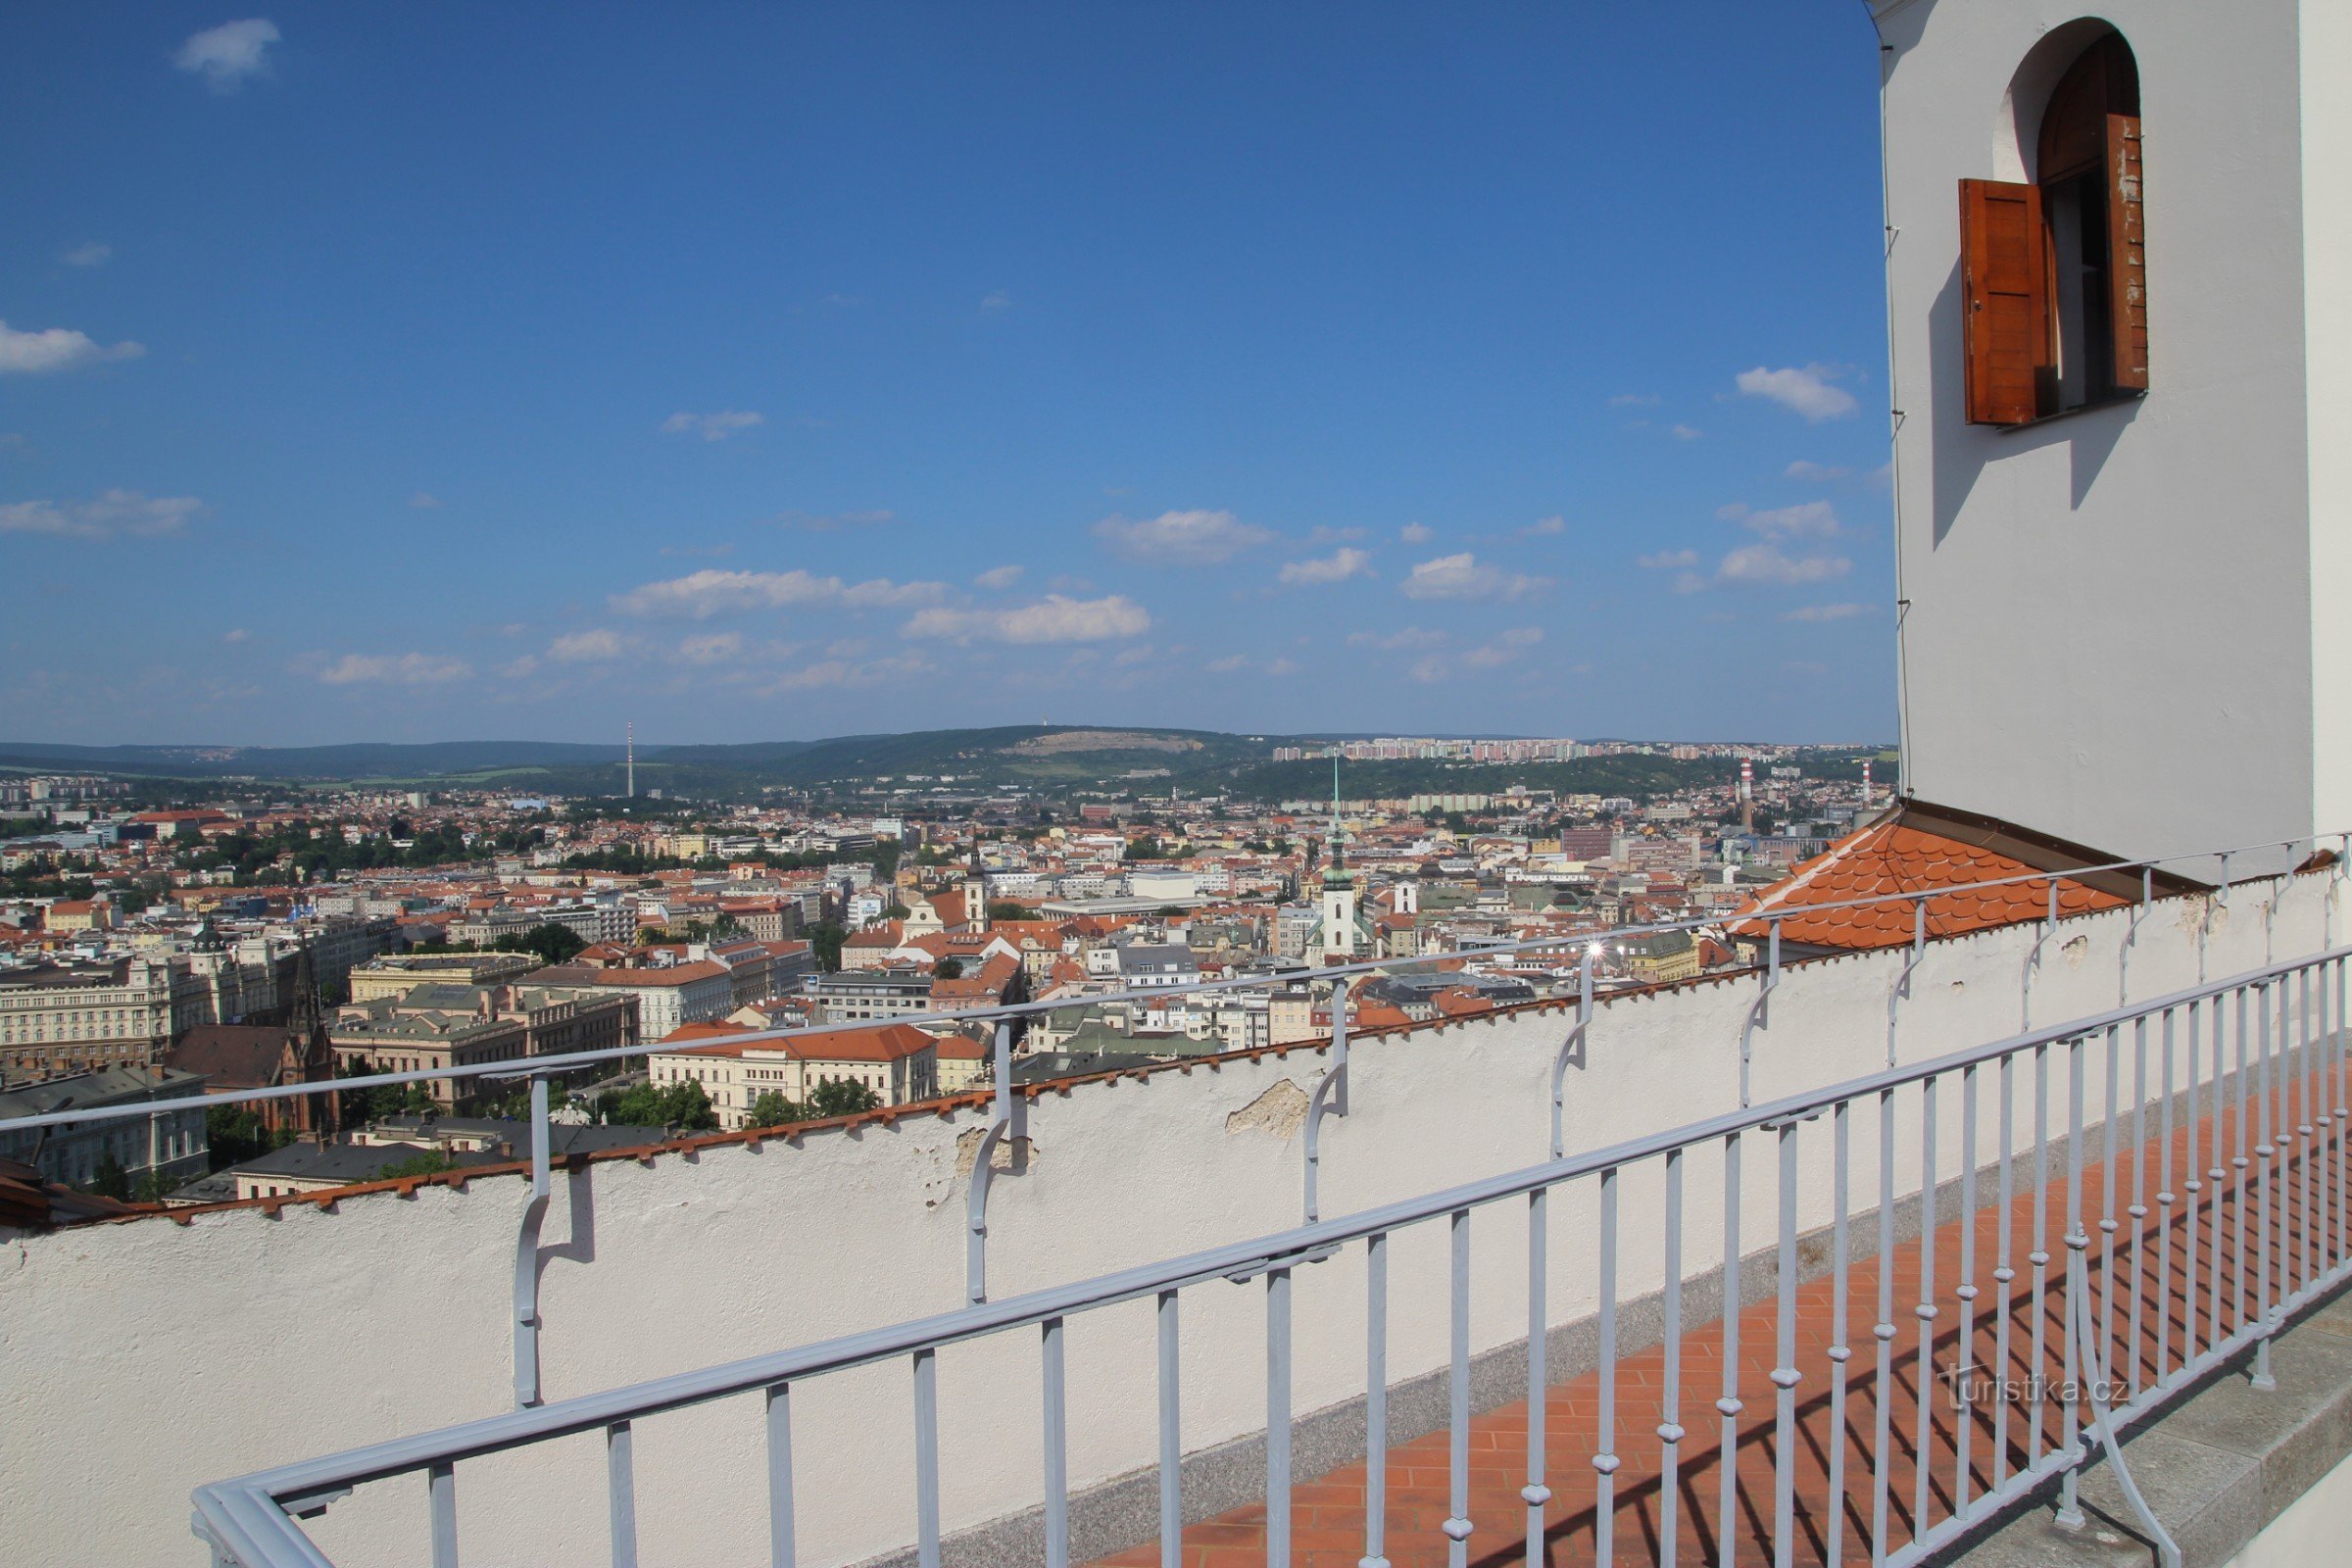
[430, 372]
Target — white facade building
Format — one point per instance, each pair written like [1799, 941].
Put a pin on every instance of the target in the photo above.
[2121, 608]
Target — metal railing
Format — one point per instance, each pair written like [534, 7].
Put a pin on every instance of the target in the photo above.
[1008, 1113]
[2236, 1098]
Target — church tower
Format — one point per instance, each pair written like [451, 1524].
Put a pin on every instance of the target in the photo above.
[2121, 371]
[1340, 930]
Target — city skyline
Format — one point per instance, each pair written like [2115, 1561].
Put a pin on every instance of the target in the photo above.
[841, 375]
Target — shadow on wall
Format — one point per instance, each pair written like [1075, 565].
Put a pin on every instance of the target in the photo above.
[1963, 451]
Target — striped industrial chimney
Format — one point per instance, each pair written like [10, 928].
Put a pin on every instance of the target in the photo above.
[1748, 795]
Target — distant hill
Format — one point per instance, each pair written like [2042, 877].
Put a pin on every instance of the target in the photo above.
[1049, 759]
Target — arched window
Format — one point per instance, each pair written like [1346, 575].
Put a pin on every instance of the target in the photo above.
[2055, 270]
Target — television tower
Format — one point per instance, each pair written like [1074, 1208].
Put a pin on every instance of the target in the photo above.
[632, 764]
[1748, 795]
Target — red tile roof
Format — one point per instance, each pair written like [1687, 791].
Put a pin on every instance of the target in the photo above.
[1895, 856]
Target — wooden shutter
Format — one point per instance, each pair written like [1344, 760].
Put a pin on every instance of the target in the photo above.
[2127, 253]
[2005, 295]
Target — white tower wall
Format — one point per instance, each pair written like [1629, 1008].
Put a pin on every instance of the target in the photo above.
[2111, 619]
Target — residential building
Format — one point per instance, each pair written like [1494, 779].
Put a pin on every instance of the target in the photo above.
[859, 996]
[169, 1146]
[395, 974]
[669, 997]
[76, 1018]
[898, 1061]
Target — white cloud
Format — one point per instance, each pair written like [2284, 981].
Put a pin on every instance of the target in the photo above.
[1545, 525]
[1403, 637]
[713, 426]
[1510, 646]
[56, 348]
[1053, 619]
[1827, 612]
[89, 253]
[1689, 582]
[1667, 559]
[1339, 567]
[1416, 533]
[1814, 472]
[591, 647]
[1807, 391]
[996, 300]
[116, 511]
[714, 592]
[1506, 648]
[425, 501]
[226, 55]
[712, 649]
[1182, 538]
[1768, 562]
[395, 670]
[1633, 400]
[522, 668]
[1808, 519]
[1462, 578]
[1731, 512]
[1322, 535]
[1684, 432]
[235, 635]
[998, 578]
[1237, 663]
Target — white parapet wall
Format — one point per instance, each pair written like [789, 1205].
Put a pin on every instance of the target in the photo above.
[138, 1361]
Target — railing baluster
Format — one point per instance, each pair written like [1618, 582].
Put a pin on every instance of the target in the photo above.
[620, 1494]
[780, 1552]
[2004, 1270]
[2337, 1096]
[1277, 1418]
[1726, 1522]
[2077, 1286]
[2039, 1257]
[927, 1458]
[2266, 1153]
[2138, 1210]
[441, 1491]
[2341, 1019]
[1171, 1437]
[1964, 1415]
[2164, 1209]
[1056, 1436]
[1457, 1522]
[1882, 1397]
[1840, 1352]
[1670, 1385]
[2214, 1174]
[1785, 1375]
[2240, 1163]
[2307, 1125]
[2190, 1190]
[1376, 1401]
[1922, 1474]
[2111, 1171]
[1537, 1493]
[1604, 1462]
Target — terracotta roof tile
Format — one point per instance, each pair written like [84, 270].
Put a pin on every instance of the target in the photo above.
[1894, 856]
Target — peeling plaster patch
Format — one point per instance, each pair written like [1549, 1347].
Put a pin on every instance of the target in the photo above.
[1281, 1111]
[1012, 1153]
[1959, 985]
[2201, 913]
[2074, 950]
